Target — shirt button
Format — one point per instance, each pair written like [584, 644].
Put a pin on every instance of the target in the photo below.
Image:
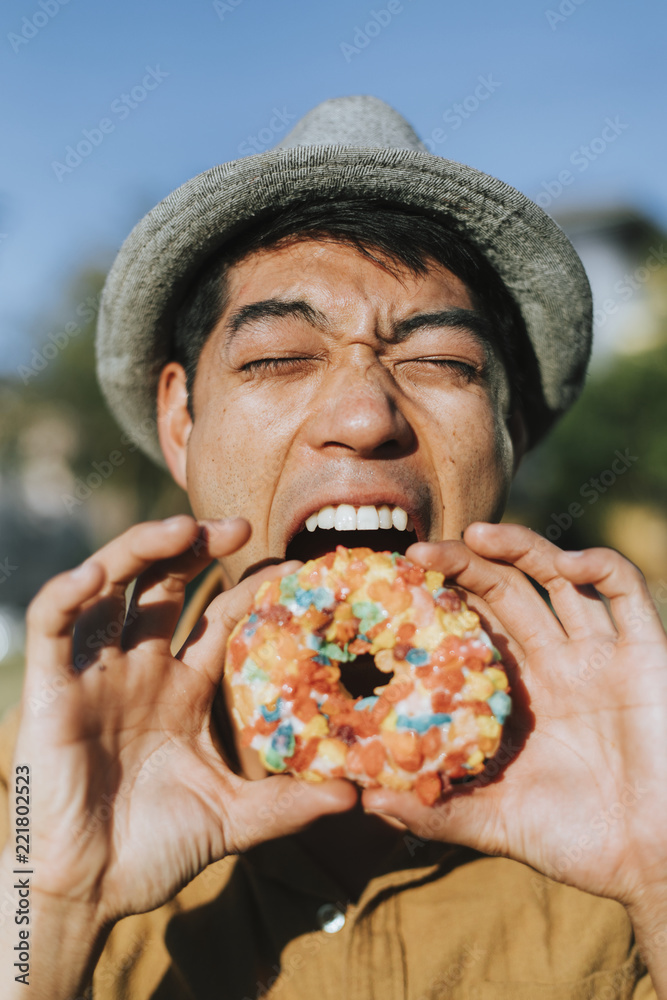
[330, 918]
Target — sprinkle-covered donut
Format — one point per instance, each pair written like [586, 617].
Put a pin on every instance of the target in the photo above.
[440, 715]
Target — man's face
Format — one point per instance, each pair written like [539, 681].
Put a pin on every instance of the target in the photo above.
[327, 381]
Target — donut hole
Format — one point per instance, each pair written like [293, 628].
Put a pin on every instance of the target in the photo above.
[360, 677]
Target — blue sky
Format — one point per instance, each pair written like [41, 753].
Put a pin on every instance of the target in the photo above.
[220, 71]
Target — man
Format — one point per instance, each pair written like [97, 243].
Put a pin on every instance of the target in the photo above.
[344, 329]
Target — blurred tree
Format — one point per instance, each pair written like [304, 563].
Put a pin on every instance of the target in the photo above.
[601, 477]
[61, 495]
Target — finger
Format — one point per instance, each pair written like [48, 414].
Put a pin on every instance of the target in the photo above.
[122, 560]
[519, 608]
[632, 606]
[467, 817]
[159, 593]
[133, 552]
[579, 608]
[205, 647]
[281, 805]
[51, 617]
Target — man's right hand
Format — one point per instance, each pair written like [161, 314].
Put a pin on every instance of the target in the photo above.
[130, 797]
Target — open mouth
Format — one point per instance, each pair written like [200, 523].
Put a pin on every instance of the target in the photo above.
[381, 527]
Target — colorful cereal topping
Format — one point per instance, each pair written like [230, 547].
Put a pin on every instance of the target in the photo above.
[438, 717]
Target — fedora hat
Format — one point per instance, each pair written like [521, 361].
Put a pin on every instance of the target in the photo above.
[345, 148]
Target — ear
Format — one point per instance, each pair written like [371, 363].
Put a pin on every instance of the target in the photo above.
[174, 422]
[516, 425]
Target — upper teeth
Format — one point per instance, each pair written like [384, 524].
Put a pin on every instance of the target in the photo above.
[345, 517]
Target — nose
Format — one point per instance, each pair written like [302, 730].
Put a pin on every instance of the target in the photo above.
[361, 413]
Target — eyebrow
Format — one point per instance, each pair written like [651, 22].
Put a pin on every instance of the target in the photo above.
[455, 318]
[276, 309]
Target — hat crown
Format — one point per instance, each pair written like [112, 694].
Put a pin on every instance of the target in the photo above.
[353, 121]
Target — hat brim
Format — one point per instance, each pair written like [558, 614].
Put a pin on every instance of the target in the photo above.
[529, 251]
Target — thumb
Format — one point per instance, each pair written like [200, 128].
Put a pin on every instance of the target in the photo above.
[467, 816]
[280, 805]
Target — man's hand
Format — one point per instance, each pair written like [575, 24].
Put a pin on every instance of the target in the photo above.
[583, 798]
[130, 796]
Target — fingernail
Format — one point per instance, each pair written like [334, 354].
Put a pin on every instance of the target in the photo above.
[377, 812]
[218, 522]
[82, 571]
[291, 566]
[170, 522]
[573, 552]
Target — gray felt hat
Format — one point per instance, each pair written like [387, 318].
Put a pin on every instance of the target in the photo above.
[348, 147]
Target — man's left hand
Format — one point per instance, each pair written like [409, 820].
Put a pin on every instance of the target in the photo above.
[583, 797]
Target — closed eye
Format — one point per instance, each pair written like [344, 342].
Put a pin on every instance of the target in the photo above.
[461, 368]
[275, 364]
[291, 364]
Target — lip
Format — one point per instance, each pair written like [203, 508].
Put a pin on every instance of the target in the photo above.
[359, 497]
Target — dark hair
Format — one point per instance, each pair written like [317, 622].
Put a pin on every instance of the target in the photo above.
[389, 235]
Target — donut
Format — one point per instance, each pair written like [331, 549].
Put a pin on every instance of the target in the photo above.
[437, 713]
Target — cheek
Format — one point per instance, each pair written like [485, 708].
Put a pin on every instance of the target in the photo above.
[491, 475]
[476, 459]
[235, 456]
